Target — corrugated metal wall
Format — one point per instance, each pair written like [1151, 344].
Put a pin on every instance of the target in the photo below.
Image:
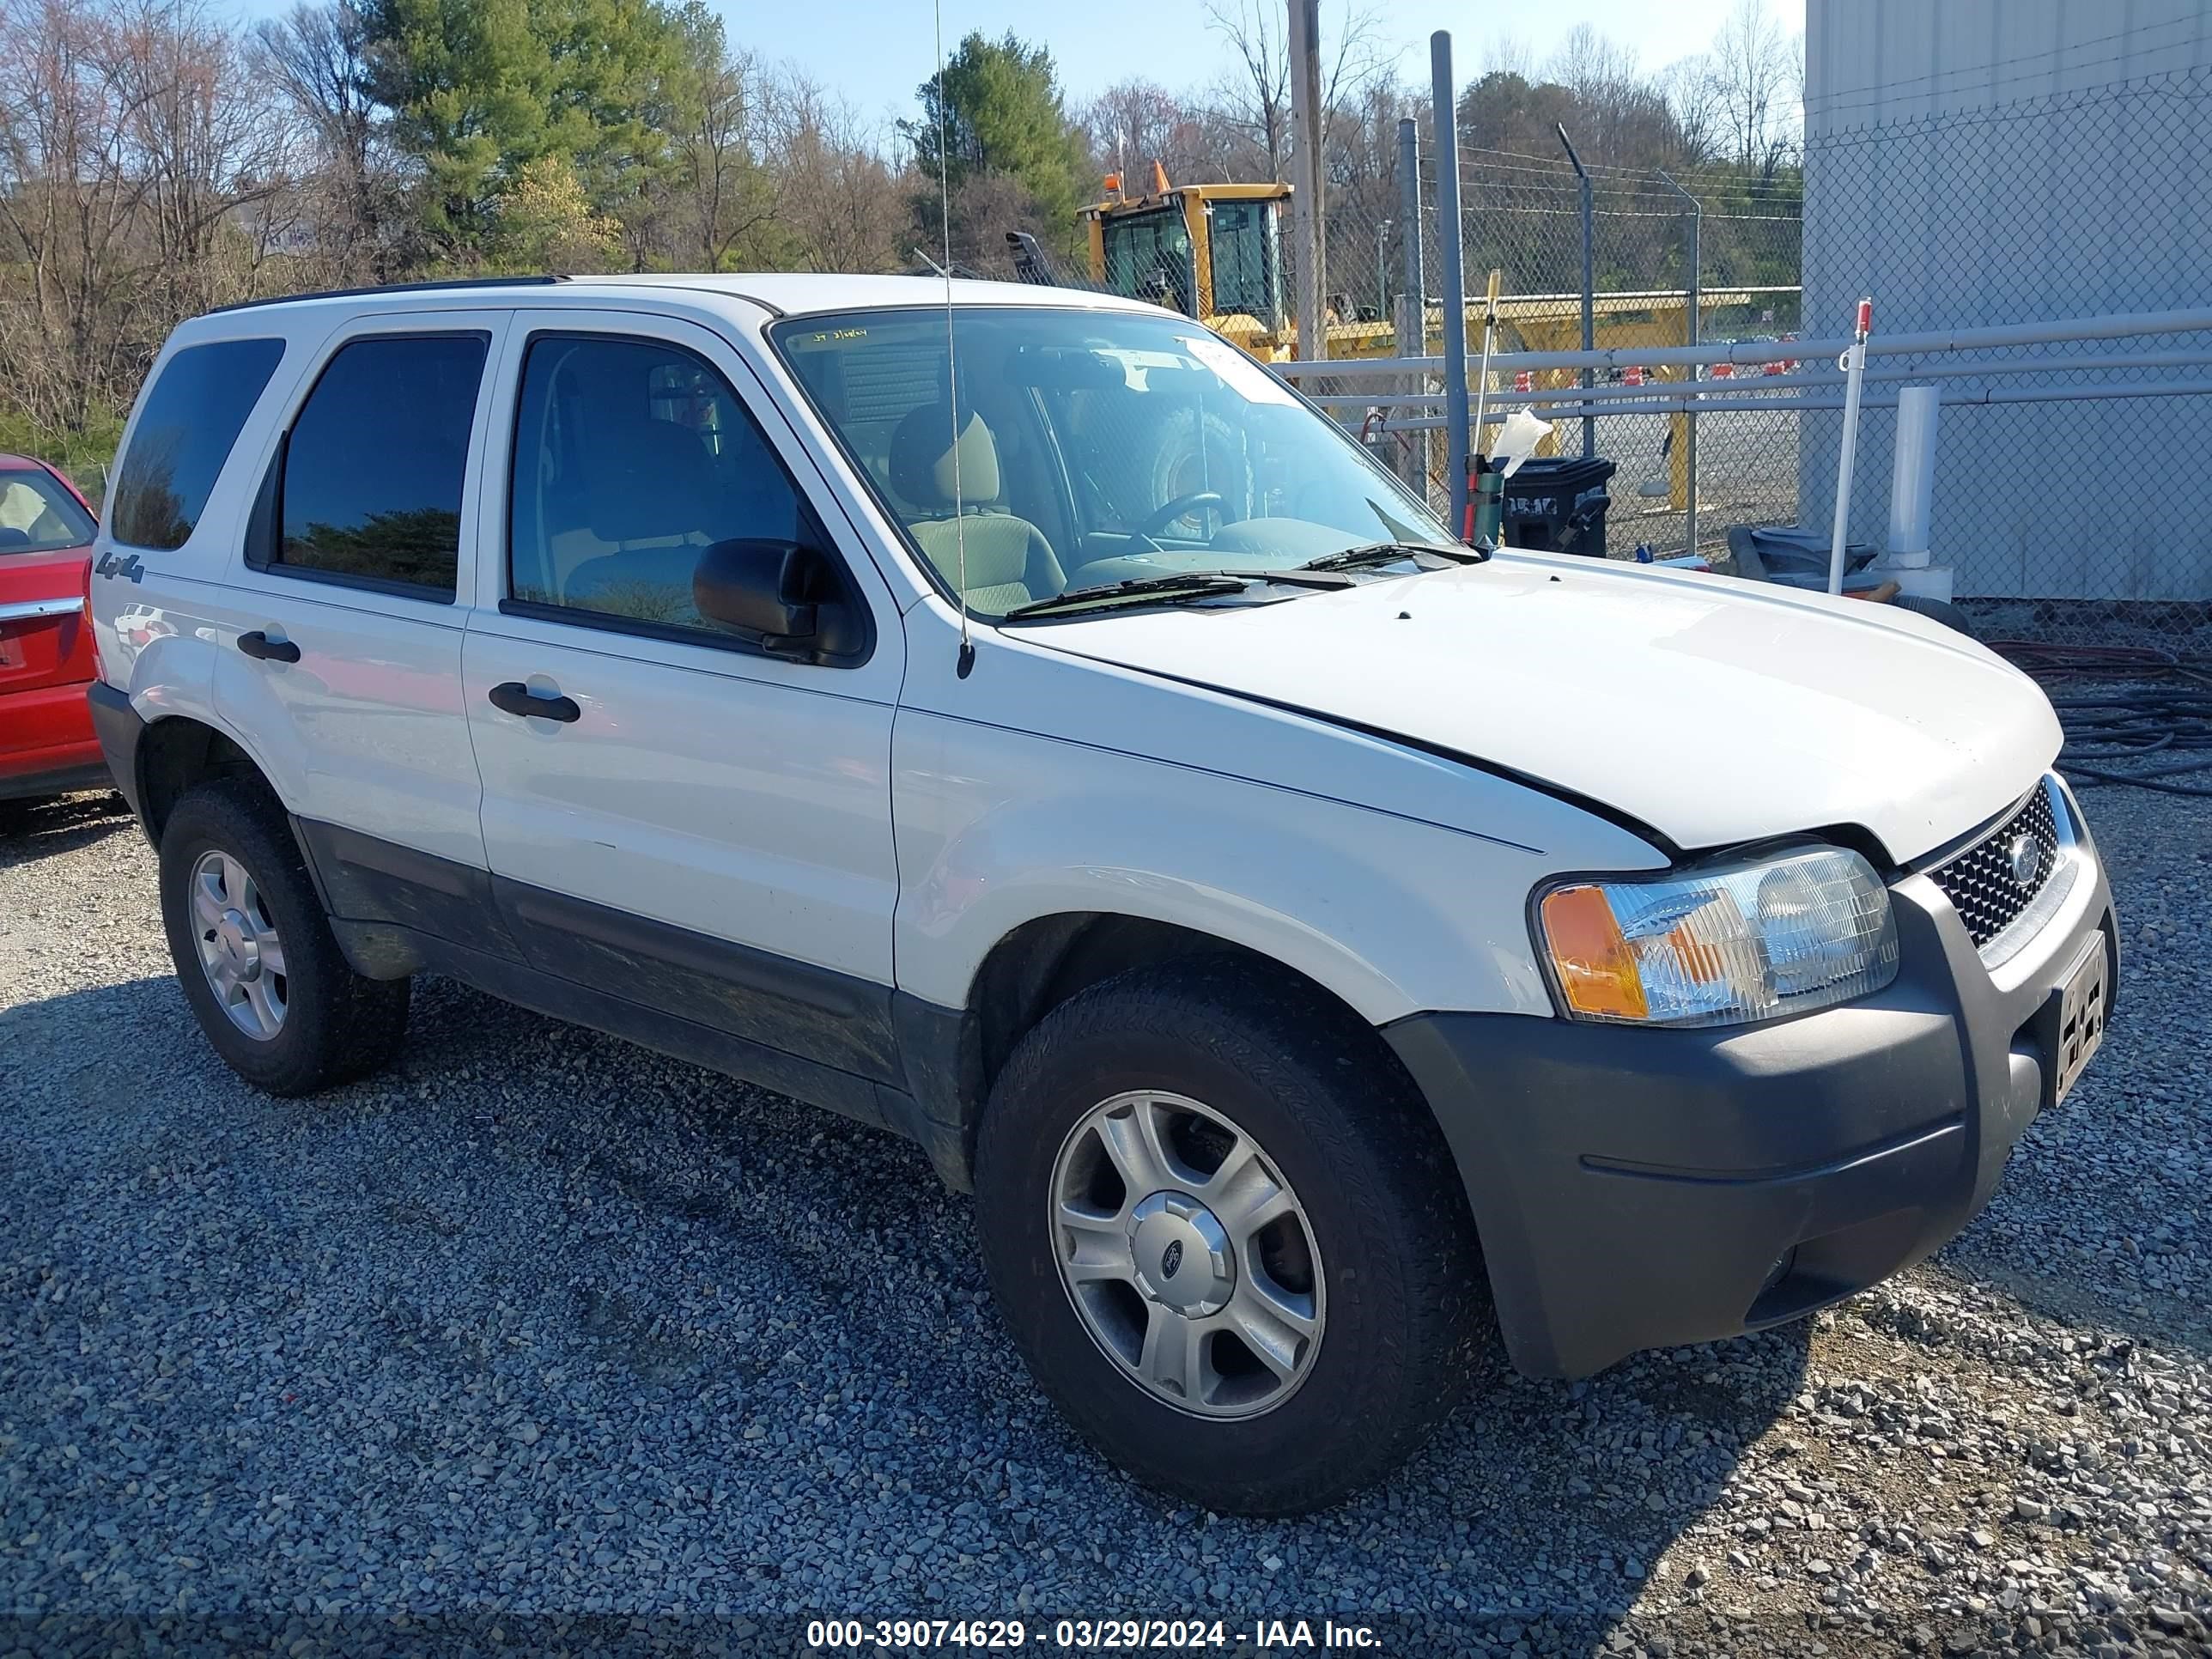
[1984, 161]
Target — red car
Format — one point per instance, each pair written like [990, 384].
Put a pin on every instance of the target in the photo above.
[46, 742]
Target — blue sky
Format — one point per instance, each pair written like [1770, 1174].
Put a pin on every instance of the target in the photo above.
[875, 52]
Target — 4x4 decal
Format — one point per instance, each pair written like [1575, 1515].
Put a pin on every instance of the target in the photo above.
[109, 565]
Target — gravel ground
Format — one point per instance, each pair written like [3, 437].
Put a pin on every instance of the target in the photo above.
[545, 1340]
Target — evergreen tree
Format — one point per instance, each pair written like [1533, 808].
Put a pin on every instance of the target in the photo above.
[996, 109]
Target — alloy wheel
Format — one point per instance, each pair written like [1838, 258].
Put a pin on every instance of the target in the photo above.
[239, 951]
[1185, 1254]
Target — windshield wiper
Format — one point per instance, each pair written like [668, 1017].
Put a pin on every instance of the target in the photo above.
[1355, 558]
[1175, 589]
[1157, 590]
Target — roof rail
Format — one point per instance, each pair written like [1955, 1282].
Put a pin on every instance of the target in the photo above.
[389, 287]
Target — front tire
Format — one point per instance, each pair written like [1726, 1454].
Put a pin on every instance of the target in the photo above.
[254, 951]
[1227, 1237]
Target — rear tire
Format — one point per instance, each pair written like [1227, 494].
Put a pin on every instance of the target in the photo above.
[1393, 1280]
[320, 1022]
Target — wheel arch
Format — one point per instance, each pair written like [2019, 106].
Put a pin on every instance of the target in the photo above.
[178, 752]
[954, 1056]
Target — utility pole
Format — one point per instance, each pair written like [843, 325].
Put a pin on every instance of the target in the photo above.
[1409, 210]
[1306, 207]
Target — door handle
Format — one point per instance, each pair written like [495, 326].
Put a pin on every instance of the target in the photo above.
[515, 698]
[259, 647]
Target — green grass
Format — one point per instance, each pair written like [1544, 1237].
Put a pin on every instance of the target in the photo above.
[86, 456]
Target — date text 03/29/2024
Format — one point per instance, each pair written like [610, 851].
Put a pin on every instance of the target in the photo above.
[1088, 1635]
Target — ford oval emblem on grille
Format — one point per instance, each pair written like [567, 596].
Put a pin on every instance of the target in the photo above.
[2024, 856]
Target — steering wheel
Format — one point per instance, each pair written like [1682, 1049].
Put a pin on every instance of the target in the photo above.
[1180, 507]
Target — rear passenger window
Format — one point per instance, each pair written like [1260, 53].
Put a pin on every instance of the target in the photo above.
[373, 467]
[632, 456]
[191, 416]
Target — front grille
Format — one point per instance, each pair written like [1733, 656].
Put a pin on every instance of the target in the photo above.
[1980, 883]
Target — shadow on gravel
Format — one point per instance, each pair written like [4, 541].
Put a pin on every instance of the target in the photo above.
[38, 828]
[586, 1327]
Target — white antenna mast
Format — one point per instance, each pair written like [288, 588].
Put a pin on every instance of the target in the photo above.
[967, 659]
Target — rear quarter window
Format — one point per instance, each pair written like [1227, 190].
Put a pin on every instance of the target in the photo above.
[191, 416]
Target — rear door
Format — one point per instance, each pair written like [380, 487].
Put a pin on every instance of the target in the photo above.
[340, 630]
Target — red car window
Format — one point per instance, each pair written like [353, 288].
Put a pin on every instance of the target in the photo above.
[38, 515]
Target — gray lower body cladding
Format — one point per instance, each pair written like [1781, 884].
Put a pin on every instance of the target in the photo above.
[1638, 1188]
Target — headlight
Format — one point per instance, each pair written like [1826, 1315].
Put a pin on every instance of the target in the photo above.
[1722, 946]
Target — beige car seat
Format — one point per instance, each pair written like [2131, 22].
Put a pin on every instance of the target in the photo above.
[1009, 561]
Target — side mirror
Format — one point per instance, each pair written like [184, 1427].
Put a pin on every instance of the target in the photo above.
[785, 596]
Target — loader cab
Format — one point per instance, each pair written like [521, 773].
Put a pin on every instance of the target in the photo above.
[1212, 252]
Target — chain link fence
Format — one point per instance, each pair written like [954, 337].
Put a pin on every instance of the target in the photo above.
[2069, 516]
[2072, 496]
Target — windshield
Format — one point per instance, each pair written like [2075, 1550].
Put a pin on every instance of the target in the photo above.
[1094, 447]
[37, 515]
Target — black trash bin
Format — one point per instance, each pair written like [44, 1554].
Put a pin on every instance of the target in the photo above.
[1558, 504]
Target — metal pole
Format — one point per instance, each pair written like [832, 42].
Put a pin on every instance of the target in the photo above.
[1590, 283]
[1912, 474]
[1413, 318]
[1854, 367]
[1305, 39]
[1381, 272]
[1690, 420]
[1409, 215]
[1451, 280]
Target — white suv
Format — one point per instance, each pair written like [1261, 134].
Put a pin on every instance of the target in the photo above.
[1017, 720]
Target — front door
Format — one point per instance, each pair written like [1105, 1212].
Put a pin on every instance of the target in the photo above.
[691, 824]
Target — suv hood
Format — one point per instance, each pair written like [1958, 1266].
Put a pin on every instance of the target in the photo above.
[1713, 711]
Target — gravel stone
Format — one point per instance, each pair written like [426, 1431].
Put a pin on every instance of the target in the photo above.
[543, 1333]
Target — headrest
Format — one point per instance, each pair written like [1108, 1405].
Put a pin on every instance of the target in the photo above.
[648, 479]
[922, 453]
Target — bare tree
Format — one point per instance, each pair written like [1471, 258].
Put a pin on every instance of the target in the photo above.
[717, 193]
[1257, 96]
[1620, 114]
[1507, 54]
[1692, 96]
[315, 58]
[1135, 123]
[1751, 65]
[205, 140]
[844, 209]
[68, 203]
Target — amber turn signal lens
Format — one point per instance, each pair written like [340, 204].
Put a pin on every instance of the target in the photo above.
[1596, 970]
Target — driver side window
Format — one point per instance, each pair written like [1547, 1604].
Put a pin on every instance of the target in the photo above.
[632, 456]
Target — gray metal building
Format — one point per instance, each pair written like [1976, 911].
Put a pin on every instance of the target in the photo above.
[1972, 162]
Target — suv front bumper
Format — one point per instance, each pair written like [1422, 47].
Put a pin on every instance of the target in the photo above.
[1638, 1188]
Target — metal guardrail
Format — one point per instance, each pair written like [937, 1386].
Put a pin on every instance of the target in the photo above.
[1722, 402]
[1655, 394]
[2123, 325]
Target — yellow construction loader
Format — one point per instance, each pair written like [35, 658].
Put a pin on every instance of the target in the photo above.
[1213, 253]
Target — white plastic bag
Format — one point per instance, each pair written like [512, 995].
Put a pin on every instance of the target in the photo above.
[1517, 438]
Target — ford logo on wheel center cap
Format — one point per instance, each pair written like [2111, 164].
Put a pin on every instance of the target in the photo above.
[1172, 1260]
[2026, 857]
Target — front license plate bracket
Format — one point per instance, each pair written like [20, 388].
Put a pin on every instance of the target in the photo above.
[2077, 1019]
